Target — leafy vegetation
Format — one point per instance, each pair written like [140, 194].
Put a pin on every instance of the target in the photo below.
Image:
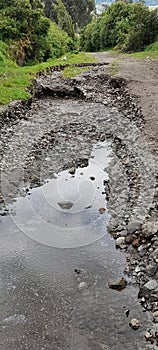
[150, 51]
[31, 42]
[59, 41]
[30, 36]
[114, 67]
[15, 80]
[70, 72]
[24, 28]
[80, 11]
[124, 25]
[64, 20]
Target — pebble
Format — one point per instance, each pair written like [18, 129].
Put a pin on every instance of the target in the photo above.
[151, 285]
[147, 335]
[135, 242]
[65, 205]
[120, 242]
[101, 210]
[155, 313]
[129, 239]
[137, 269]
[118, 285]
[82, 285]
[134, 323]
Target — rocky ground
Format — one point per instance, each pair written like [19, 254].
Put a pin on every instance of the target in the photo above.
[125, 90]
[142, 83]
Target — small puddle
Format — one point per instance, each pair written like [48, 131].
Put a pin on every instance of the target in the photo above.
[70, 209]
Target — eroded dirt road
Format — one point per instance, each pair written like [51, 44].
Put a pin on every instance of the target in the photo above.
[142, 78]
[79, 161]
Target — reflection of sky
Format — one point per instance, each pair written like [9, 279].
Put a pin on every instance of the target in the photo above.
[40, 214]
[84, 191]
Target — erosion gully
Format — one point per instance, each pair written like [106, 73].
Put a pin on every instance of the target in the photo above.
[77, 182]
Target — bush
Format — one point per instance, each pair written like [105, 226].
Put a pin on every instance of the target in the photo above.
[59, 41]
[86, 37]
[129, 26]
[31, 37]
[2, 60]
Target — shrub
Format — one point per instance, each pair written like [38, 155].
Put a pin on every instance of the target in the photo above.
[129, 26]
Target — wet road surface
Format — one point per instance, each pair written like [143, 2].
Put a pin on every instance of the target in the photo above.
[46, 305]
[56, 259]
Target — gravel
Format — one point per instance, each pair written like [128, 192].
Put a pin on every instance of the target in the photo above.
[60, 125]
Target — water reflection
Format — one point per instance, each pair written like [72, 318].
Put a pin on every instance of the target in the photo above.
[70, 209]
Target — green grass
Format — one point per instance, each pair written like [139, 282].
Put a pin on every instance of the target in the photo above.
[15, 80]
[150, 51]
[114, 66]
[70, 72]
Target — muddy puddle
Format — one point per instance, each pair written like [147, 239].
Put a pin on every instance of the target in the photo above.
[57, 258]
[70, 209]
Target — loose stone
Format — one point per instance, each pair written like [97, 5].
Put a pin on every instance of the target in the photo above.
[149, 229]
[134, 226]
[134, 323]
[101, 210]
[149, 290]
[147, 335]
[118, 285]
[120, 242]
[82, 285]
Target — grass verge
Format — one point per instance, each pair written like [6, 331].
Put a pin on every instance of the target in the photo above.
[114, 67]
[70, 72]
[150, 51]
[15, 80]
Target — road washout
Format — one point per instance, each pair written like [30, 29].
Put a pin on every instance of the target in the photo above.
[62, 123]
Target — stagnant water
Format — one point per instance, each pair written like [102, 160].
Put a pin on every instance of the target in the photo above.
[57, 259]
[70, 208]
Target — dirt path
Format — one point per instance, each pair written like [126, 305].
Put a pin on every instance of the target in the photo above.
[57, 296]
[142, 78]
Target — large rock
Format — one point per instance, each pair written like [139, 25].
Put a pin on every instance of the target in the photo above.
[133, 226]
[149, 229]
[149, 289]
[151, 285]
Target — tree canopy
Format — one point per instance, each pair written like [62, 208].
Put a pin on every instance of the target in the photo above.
[80, 11]
[125, 25]
[64, 20]
[29, 34]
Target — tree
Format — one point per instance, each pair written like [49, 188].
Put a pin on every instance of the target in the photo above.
[144, 27]
[86, 37]
[64, 20]
[80, 11]
[127, 26]
[23, 25]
